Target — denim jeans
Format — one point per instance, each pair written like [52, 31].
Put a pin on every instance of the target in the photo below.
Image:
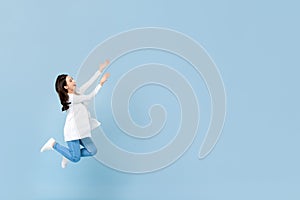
[73, 152]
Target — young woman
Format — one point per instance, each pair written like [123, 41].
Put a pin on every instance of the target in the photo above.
[78, 125]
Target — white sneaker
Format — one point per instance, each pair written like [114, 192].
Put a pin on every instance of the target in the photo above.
[48, 145]
[64, 162]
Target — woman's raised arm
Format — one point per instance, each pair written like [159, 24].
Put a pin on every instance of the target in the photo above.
[86, 85]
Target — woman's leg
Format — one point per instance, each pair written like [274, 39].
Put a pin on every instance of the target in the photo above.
[89, 147]
[72, 153]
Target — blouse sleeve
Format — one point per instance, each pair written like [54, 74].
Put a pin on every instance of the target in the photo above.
[83, 98]
[86, 85]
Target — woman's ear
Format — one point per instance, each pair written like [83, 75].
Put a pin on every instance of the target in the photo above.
[66, 87]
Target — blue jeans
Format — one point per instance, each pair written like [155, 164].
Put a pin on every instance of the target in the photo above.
[74, 152]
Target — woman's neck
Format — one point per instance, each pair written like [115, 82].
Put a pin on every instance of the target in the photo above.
[71, 92]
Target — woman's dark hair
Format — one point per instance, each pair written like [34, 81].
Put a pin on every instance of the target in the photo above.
[62, 91]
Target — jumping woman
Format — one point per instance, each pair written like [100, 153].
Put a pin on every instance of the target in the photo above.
[78, 125]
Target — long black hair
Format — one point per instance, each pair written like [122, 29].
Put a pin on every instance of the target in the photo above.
[62, 91]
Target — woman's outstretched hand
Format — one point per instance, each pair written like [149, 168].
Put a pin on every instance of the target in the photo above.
[103, 65]
[104, 78]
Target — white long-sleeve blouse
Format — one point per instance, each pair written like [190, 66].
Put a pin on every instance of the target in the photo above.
[79, 122]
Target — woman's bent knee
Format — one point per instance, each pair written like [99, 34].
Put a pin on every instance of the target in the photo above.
[94, 152]
[75, 159]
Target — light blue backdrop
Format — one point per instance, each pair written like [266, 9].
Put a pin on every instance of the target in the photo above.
[255, 45]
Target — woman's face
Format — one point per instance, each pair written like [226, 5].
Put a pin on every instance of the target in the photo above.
[71, 84]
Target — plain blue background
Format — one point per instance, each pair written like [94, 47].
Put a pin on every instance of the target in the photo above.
[255, 45]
